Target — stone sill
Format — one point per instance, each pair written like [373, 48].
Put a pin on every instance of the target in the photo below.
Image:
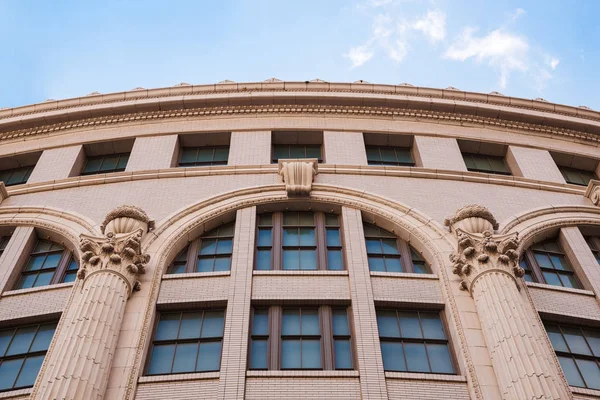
[584, 391]
[193, 275]
[560, 288]
[179, 377]
[15, 393]
[17, 292]
[299, 273]
[407, 275]
[425, 377]
[302, 374]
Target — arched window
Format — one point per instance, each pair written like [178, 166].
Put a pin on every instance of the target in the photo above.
[546, 262]
[387, 253]
[210, 252]
[48, 264]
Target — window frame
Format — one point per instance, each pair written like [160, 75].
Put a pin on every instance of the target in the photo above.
[466, 154]
[392, 163]
[60, 271]
[565, 170]
[28, 170]
[321, 247]
[197, 163]
[326, 337]
[103, 157]
[536, 271]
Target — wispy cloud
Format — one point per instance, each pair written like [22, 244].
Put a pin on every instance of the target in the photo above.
[518, 13]
[359, 55]
[433, 25]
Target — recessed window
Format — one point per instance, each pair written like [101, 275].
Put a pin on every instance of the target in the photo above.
[187, 342]
[575, 168]
[296, 151]
[297, 144]
[577, 176]
[16, 170]
[414, 341]
[211, 252]
[22, 351]
[594, 243]
[3, 243]
[308, 241]
[578, 351]
[484, 157]
[546, 262]
[203, 156]
[16, 176]
[296, 338]
[48, 264]
[379, 155]
[387, 253]
[105, 164]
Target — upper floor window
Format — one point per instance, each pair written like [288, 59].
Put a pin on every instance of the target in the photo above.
[22, 351]
[297, 144]
[388, 149]
[300, 338]
[49, 263]
[546, 262]
[15, 170]
[387, 253]
[203, 156]
[578, 351]
[295, 240]
[594, 243]
[16, 176]
[414, 341]
[3, 243]
[577, 176]
[105, 164]
[484, 157]
[187, 342]
[210, 252]
[575, 168]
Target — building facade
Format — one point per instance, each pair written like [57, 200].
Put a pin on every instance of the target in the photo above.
[299, 240]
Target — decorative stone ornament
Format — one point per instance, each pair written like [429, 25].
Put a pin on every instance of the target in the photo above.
[593, 192]
[298, 175]
[472, 218]
[3, 192]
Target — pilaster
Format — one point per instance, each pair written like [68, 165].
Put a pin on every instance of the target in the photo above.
[250, 148]
[59, 163]
[533, 163]
[344, 148]
[154, 152]
[438, 153]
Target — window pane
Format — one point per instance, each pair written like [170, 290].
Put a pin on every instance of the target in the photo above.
[307, 237]
[205, 154]
[373, 154]
[258, 357]
[290, 237]
[469, 161]
[222, 264]
[213, 324]
[340, 322]
[416, 357]
[374, 246]
[432, 326]
[439, 357]
[9, 370]
[185, 357]
[393, 264]
[332, 220]
[123, 161]
[43, 338]
[209, 358]
[205, 264]
[591, 373]
[109, 163]
[571, 373]
[168, 327]
[265, 220]
[575, 340]
[35, 262]
[481, 162]
[188, 155]
[313, 152]
[264, 237]
[263, 260]
[208, 246]
[161, 359]
[224, 246]
[290, 323]
[343, 358]
[334, 260]
[543, 260]
[420, 268]
[308, 259]
[593, 338]
[52, 260]
[280, 151]
[260, 324]
[290, 354]
[333, 238]
[291, 259]
[376, 264]
[5, 337]
[306, 219]
[387, 154]
[552, 279]
[29, 371]
[44, 278]
[393, 356]
[92, 165]
[311, 353]
[226, 230]
[221, 154]
[297, 151]
[528, 277]
[18, 176]
[404, 155]
[569, 280]
[409, 325]
[387, 324]
[310, 322]
[556, 338]
[560, 263]
[26, 281]
[497, 164]
[389, 246]
[190, 326]
[22, 340]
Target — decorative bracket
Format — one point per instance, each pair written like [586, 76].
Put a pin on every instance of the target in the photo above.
[298, 175]
[593, 192]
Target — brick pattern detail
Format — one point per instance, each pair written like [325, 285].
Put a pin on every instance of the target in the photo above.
[401, 389]
[344, 148]
[152, 153]
[58, 163]
[368, 351]
[533, 163]
[439, 153]
[250, 148]
[185, 390]
[409, 290]
[316, 287]
[237, 320]
[303, 388]
[40, 302]
[194, 289]
[555, 301]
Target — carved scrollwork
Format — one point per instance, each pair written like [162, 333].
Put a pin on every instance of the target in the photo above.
[593, 192]
[298, 175]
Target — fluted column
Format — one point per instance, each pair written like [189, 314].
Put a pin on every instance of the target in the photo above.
[78, 363]
[523, 360]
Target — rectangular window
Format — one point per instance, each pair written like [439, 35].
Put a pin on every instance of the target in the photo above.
[546, 262]
[105, 164]
[388, 155]
[22, 351]
[485, 163]
[414, 341]
[16, 176]
[295, 240]
[49, 263]
[185, 342]
[578, 351]
[296, 338]
[286, 151]
[203, 156]
[577, 176]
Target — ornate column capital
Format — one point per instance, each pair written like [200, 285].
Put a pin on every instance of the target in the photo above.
[480, 250]
[593, 192]
[298, 175]
[119, 250]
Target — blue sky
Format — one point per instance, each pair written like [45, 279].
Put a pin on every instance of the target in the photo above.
[66, 48]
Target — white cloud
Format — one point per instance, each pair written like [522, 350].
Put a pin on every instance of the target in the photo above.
[433, 25]
[359, 55]
[519, 12]
[554, 63]
[502, 50]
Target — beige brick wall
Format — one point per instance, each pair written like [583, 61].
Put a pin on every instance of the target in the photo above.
[284, 285]
[345, 148]
[250, 148]
[58, 163]
[302, 388]
[562, 302]
[409, 290]
[200, 287]
[150, 153]
[27, 303]
[183, 390]
[408, 389]
[533, 163]
[438, 153]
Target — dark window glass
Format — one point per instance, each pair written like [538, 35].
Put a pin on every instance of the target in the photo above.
[413, 341]
[105, 164]
[594, 243]
[187, 342]
[43, 264]
[3, 243]
[341, 339]
[71, 272]
[485, 163]
[22, 351]
[577, 176]
[547, 263]
[202, 156]
[283, 151]
[578, 351]
[388, 155]
[16, 176]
